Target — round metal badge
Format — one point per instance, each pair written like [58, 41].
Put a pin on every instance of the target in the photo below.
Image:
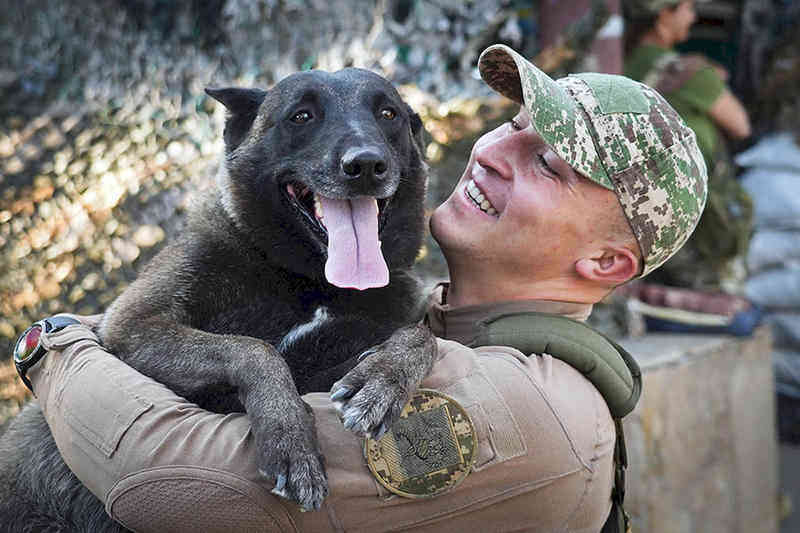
[428, 451]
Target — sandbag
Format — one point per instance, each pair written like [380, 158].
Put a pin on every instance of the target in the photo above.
[773, 152]
[778, 288]
[773, 248]
[785, 329]
[787, 372]
[776, 197]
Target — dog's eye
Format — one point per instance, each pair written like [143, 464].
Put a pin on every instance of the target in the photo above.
[388, 113]
[301, 117]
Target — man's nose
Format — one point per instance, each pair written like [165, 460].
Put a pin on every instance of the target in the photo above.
[494, 156]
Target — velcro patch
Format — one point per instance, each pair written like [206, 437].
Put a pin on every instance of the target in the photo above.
[428, 451]
[616, 94]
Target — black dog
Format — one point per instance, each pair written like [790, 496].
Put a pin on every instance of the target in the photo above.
[320, 193]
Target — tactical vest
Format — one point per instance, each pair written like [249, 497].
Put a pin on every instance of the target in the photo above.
[610, 368]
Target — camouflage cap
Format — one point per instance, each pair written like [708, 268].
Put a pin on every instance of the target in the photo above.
[622, 135]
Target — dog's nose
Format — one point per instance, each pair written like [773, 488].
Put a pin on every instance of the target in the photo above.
[364, 162]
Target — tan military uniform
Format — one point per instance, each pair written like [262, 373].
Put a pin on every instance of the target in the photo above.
[543, 459]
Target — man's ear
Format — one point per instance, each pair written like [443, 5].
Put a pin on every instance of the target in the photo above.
[612, 266]
[242, 105]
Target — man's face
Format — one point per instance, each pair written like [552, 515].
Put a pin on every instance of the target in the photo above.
[519, 209]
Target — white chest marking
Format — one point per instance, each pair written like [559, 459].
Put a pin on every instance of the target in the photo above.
[321, 316]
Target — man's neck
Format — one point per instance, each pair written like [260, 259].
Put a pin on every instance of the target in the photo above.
[475, 291]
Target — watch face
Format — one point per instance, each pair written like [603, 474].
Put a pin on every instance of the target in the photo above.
[27, 343]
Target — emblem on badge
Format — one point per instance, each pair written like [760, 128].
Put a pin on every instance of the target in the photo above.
[428, 451]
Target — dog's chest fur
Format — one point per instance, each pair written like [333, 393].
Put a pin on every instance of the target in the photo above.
[314, 325]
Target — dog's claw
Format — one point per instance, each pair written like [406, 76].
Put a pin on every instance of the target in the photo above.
[351, 418]
[341, 393]
[290, 456]
[367, 353]
[305, 483]
[382, 429]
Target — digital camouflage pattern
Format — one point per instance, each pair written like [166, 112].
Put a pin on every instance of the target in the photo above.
[620, 134]
[429, 450]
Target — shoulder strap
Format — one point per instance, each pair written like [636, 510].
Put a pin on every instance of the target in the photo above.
[605, 363]
[610, 368]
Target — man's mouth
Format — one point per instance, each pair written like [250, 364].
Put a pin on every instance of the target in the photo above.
[474, 194]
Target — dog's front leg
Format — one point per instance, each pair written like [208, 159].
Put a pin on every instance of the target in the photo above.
[371, 396]
[193, 363]
[283, 426]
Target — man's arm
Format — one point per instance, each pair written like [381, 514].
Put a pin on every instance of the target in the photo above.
[119, 430]
[543, 435]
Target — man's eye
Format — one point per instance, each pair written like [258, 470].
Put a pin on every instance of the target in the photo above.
[515, 125]
[301, 117]
[547, 167]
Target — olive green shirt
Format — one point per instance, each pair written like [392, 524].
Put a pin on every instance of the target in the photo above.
[688, 83]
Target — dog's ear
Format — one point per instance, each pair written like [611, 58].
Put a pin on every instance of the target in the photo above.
[416, 129]
[242, 105]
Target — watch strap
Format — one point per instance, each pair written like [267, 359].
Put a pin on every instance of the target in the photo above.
[46, 327]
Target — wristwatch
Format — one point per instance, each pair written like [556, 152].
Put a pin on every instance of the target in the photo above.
[29, 350]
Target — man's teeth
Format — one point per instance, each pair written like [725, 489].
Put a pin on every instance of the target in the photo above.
[479, 199]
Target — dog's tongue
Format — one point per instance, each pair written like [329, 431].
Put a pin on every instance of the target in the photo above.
[354, 253]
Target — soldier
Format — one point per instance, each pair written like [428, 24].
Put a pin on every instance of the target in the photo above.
[696, 88]
[596, 181]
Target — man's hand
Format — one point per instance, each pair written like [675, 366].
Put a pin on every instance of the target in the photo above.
[372, 395]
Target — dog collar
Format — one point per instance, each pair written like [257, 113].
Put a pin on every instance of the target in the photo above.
[29, 350]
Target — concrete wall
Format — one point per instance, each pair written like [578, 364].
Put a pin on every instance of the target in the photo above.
[702, 443]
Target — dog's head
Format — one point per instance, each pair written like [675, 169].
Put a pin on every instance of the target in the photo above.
[325, 171]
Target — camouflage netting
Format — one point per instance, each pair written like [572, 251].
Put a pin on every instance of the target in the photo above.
[105, 129]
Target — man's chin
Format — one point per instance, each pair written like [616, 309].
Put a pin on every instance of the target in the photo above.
[435, 223]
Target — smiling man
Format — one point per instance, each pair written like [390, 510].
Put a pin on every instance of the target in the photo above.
[523, 224]
[596, 181]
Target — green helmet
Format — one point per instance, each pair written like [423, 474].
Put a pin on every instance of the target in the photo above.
[620, 134]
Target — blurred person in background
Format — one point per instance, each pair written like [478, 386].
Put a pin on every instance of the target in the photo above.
[713, 259]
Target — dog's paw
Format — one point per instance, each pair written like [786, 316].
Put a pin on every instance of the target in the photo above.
[369, 404]
[290, 456]
[372, 395]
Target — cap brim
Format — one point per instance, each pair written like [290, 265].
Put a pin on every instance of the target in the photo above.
[516, 78]
[554, 114]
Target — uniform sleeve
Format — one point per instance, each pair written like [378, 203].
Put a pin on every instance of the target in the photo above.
[158, 462]
[702, 89]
